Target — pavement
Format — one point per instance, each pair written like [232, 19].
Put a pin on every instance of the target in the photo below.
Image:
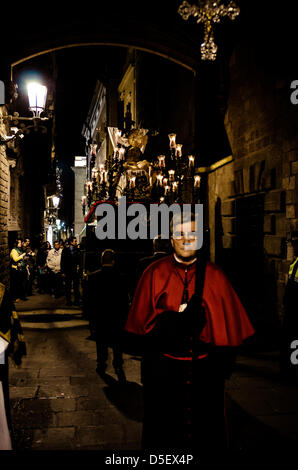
[58, 402]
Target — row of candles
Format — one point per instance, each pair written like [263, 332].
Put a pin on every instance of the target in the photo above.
[169, 184]
[162, 159]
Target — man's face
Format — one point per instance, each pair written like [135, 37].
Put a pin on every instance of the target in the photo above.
[74, 242]
[184, 244]
[56, 245]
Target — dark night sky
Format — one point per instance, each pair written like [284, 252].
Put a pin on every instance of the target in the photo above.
[77, 70]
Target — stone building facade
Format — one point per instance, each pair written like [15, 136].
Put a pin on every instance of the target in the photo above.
[253, 200]
[4, 191]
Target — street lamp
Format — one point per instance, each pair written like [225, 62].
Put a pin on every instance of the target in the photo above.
[37, 95]
[56, 201]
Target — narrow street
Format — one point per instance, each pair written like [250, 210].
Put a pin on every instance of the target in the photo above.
[58, 402]
[57, 399]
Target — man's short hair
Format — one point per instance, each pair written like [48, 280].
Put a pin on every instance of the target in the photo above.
[108, 256]
[71, 239]
[179, 219]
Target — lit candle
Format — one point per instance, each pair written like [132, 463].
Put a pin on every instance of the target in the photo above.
[93, 149]
[150, 180]
[159, 180]
[165, 181]
[121, 153]
[171, 175]
[172, 138]
[178, 151]
[133, 182]
[94, 172]
[197, 181]
[118, 135]
[161, 160]
[175, 186]
[161, 199]
[191, 160]
[167, 189]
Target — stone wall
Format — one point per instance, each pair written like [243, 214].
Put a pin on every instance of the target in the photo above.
[4, 182]
[253, 201]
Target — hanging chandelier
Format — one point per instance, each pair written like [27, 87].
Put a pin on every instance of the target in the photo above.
[208, 12]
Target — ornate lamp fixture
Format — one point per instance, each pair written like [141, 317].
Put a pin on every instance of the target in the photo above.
[37, 95]
[208, 12]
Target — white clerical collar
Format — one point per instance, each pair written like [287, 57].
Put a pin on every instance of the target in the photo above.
[182, 262]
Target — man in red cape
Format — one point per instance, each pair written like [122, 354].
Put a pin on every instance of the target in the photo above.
[191, 322]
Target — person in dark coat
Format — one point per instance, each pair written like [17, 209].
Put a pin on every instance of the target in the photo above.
[42, 270]
[108, 309]
[30, 260]
[161, 247]
[70, 270]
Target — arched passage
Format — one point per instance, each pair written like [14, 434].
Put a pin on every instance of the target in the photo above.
[184, 63]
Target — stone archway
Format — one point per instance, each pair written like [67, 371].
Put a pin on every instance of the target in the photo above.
[159, 30]
[184, 62]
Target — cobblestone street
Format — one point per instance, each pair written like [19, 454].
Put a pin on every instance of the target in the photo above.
[58, 402]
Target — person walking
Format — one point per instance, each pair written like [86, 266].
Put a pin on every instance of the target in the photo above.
[53, 263]
[70, 270]
[189, 321]
[107, 312]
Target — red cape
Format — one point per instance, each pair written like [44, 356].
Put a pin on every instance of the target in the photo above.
[160, 289]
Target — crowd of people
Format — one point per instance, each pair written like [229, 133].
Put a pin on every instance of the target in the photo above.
[160, 315]
[179, 312]
[54, 270]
